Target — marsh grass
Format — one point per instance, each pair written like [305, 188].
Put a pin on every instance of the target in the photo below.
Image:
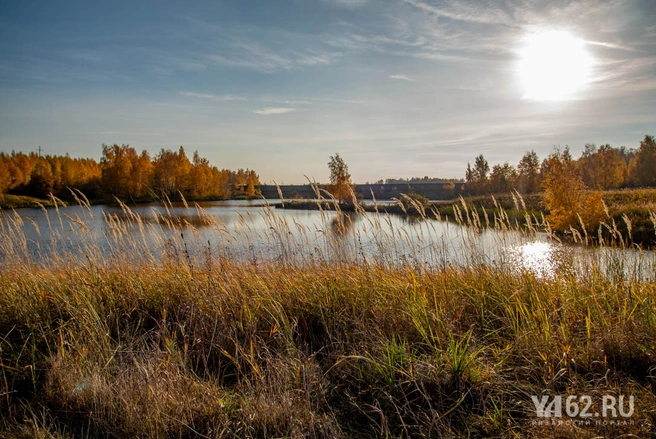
[150, 333]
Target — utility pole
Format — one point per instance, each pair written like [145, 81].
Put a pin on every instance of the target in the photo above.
[39, 150]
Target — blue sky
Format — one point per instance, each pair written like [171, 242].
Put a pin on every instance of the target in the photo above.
[399, 88]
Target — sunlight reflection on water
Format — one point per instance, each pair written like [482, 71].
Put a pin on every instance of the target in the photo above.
[536, 257]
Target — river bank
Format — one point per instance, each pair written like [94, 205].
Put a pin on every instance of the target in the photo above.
[630, 213]
[9, 201]
[191, 344]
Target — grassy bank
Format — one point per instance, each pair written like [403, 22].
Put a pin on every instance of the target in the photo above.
[629, 212]
[8, 201]
[209, 346]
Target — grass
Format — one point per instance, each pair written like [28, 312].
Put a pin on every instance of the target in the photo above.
[8, 201]
[629, 219]
[191, 342]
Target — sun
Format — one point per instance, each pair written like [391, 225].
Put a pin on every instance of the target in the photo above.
[554, 66]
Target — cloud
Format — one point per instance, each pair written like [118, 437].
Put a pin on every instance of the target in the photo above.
[612, 46]
[254, 56]
[465, 11]
[259, 48]
[267, 111]
[308, 100]
[402, 78]
[421, 35]
[211, 96]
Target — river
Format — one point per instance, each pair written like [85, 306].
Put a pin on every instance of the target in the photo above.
[254, 231]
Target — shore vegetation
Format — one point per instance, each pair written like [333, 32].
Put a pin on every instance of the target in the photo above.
[191, 342]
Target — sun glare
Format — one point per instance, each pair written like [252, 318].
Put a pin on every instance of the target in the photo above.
[554, 66]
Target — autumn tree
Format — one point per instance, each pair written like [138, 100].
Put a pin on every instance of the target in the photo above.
[612, 168]
[25, 164]
[42, 180]
[643, 165]
[239, 180]
[16, 176]
[125, 173]
[252, 181]
[70, 172]
[566, 195]
[502, 178]
[341, 186]
[448, 187]
[602, 168]
[528, 173]
[5, 177]
[171, 172]
[626, 155]
[39, 176]
[144, 171]
[116, 165]
[200, 178]
[476, 177]
[221, 179]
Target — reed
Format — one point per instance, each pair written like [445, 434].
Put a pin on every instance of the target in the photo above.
[143, 329]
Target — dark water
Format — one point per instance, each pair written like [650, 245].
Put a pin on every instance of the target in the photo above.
[251, 230]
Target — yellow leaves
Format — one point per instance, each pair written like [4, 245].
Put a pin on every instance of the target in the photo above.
[340, 186]
[566, 195]
[593, 210]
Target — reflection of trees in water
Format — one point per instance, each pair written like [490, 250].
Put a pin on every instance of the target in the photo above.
[340, 241]
[180, 220]
[411, 219]
[342, 223]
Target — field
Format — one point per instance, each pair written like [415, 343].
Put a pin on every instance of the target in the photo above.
[196, 344]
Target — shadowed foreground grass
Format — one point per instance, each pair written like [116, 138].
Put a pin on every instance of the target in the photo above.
[321, 351]
[308, 348]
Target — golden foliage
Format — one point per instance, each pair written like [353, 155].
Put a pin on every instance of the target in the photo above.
[124, 173]
[593, 210]
[566, 195]
[341, 186]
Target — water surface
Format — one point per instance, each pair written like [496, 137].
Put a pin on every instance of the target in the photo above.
[253, 230]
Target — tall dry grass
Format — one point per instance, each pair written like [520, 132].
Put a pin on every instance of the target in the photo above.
[139, 330]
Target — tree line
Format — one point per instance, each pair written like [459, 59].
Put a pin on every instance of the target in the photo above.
[572, 188]
[599, 168]
[124, 173]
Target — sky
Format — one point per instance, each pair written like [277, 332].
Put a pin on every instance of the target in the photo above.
[399, 88]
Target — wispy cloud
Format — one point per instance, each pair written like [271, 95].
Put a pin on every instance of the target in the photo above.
[273, 99]
[464, 11]
[619, 77]
[612, 45]
[264, 49]
[416, 47]
[267, 111]
[212, 96]
[405, 31]
[402, 78]
[308, 100]
[254, 56]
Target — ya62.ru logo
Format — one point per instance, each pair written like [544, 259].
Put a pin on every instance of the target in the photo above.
[582, 406]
